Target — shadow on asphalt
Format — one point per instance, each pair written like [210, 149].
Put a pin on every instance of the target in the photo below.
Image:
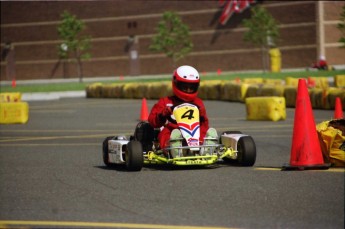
[169, 167]
[166, 167]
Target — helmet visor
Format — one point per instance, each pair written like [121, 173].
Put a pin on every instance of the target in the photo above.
[188, 88]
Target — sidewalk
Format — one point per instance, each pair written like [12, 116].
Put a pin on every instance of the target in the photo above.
[46, 96]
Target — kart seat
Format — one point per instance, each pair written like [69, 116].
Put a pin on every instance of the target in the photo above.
[145, 134]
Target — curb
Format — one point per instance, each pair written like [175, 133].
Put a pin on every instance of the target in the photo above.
[47, 96]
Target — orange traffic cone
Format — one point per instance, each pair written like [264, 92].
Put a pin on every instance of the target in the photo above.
[338, 111]
[144, 111]
[305, 151]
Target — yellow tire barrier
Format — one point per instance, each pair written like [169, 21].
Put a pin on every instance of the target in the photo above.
[10, 97]
[235, 92]
[112, 91]
[290, 93]
[11, 113]
[339, 81]
[318, 98]
[291, 81]
[264, 90]
[276, 82]
[94, 90]
[319, 82]
[322, 96]
[210, 90]
[253, 80]
[158, 90]
[333, 93]
[266, 108]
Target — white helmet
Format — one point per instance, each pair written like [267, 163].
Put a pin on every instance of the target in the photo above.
[185, 83]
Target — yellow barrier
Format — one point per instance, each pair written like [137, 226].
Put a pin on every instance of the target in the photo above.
[322, 97]
[231, 91]
[130, 90]
[210, 89]
[318, 98]
[275, 57]
[339, 80]
[94, 90]
[10, 97]
[253, 80]
[333, 93]
[112, 91]
[266, 108]
[318, 82]
[275, 82]
[11, 113]
[159, 90]
[291, 81]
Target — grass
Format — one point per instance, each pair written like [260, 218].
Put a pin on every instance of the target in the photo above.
[75, 86]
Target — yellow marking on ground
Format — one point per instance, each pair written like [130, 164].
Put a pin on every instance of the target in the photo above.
[59, 131]
[332, 170]
[257, 127]
[5, 223]
[53, 111]
[272, 136]
[53, 138]
[268, 169]
[50, 144]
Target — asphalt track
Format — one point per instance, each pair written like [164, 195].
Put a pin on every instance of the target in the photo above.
[52, 175]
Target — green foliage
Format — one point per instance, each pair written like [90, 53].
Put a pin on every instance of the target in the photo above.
[69, 31]
[341, 27]
[74, 44]
[262, 27]
[172, 37]
[262, 31]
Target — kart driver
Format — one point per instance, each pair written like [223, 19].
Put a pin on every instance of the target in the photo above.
[185, 84]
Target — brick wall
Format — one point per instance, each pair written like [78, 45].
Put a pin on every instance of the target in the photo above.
[31, 27]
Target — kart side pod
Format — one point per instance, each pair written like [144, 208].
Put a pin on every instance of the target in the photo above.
[243, 144]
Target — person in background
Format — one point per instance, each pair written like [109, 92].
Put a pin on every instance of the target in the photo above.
[321, 64]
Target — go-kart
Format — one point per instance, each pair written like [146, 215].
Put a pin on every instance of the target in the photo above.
[143, 147]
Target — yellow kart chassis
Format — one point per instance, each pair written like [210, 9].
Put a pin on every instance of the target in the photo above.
[152, 158]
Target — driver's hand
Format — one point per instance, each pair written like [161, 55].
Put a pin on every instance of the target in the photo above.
[166, 112]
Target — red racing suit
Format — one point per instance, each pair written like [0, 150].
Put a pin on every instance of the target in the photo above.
[156, 120]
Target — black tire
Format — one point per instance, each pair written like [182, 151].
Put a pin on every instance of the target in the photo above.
[134, 156]
[246, 151]
[105, 151]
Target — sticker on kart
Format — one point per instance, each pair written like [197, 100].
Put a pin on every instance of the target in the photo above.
[187, 118]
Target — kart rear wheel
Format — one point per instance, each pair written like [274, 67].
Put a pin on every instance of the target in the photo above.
[134, 156]
[246, 151]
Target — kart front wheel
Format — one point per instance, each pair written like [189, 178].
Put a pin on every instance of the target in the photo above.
[134, 156]
[246, 151]
[226, 159]
[105, 151]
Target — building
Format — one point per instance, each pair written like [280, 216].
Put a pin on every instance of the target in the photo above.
[122, 30]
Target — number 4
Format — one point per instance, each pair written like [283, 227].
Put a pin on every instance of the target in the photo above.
[188, 114]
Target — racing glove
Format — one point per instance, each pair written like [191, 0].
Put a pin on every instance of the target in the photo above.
[165, 114]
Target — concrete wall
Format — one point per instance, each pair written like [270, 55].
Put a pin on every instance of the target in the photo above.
[31, 27]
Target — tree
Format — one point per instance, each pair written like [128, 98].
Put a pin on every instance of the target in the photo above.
[262, 31]
[172, 37]
[73, 43]
[341, 27]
